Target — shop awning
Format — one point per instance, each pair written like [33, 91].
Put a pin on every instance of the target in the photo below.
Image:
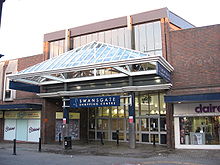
[21, 107]
[193, 98]
[91, 60]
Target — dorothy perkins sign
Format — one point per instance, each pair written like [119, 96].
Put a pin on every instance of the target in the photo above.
[101, 101]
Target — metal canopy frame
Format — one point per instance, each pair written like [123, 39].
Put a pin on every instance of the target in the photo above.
[87, 61]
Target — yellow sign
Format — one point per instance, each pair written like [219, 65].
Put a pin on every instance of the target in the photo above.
[1, 114]
[59, 115]
[22, 115]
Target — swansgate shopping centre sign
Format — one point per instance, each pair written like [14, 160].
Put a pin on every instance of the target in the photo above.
[101, 101]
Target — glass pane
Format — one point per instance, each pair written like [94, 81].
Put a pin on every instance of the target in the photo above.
[145, 137]
[154, 104]
[143, 37]
[154, 124]
[163, 139]
[200, 130]
[162, 104]
[152, 136]
[108, 37]
[105, 124]
[121, 124]
[99, 111]
[127, 38]
[145, 124]
[91, 135]
[121, 37]
[163, 126]
[114, 112]
[150, 36]
[137, 103]
[115, 37]
[106, 111]
[157, 35]
[145, 103]
[137, 37]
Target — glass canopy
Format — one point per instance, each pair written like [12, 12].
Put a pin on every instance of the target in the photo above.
[92, 53]
[92, 61]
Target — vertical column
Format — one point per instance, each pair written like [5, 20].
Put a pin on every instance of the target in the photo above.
[131, 124]
[131, 31]
[66, 127]
[67, 40]
[170, 126]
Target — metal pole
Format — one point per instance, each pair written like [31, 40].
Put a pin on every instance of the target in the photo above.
[154, 139]
[131, 125]
[60, 138]
[39, 147]
[102, 138]
[117, 137]
[14, 147]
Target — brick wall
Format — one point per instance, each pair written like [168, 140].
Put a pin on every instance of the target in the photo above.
[24, 63]
[195, 56]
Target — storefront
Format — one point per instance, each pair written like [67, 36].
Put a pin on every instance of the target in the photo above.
[22, 125]
[149, 118]
[74, 125]
[98, 69]
[197, 125]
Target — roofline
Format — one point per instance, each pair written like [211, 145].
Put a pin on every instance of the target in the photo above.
[109, 24]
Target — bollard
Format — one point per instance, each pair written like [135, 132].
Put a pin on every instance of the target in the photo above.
[117, 137]
[39, 148]
[14, 147]
[60, 138]
[102, 138]
[154, 139]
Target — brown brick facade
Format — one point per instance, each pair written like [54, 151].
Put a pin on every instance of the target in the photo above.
[195, 56]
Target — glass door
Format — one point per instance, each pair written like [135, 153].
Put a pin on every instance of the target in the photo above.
[21, 133]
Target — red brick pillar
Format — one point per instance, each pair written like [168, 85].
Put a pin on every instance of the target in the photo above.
[170, 126]
[48, 121]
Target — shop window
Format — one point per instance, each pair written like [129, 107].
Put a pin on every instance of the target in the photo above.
[8, 93]
[145, 124]
[163, 126]
[200, 130]
[154, 124]
[145, 137]
[145, 104]
[156, 138]
[163, 139]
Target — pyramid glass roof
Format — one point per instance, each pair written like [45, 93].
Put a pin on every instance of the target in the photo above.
[92, 53]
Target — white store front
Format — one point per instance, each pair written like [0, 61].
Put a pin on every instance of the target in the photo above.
[22, 125]
[197, 125]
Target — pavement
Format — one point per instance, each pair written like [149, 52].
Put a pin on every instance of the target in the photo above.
[142, 154]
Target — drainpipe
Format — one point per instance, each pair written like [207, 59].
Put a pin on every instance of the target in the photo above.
[3, 78]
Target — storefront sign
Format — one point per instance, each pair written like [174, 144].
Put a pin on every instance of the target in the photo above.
[163, 72]
[59, 115]
[102, 101]
[186, 109]
[207, 109]
[22, 115]
[1, 114]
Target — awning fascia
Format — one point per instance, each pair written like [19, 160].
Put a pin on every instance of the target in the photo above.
[108, 90]
[20, 107]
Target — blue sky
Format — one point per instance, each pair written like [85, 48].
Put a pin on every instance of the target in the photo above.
[24, 22]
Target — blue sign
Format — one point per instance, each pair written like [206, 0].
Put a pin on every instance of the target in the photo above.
[163, 72]
[24, 87]
[101, 101]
